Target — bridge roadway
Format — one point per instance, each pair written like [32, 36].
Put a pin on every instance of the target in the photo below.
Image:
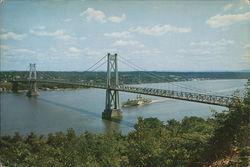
[187, 96]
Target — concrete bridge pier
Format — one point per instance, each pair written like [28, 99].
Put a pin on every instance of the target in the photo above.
[112, 109]
[112, 113]
[33, 90]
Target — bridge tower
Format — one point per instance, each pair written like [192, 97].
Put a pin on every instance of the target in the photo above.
[32, 89]
[112, 108]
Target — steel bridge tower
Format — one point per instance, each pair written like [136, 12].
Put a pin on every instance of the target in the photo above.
[112, 108]
[32, 89]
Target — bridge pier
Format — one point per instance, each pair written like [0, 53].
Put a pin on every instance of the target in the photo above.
[112, 108]
[32, 89]
[112, 113]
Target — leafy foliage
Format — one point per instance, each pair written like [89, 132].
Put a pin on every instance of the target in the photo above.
[232, 134]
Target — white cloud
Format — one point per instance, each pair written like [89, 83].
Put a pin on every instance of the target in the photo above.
[128, 43]
[222, 42]
[124, 34]
[244, 5]
[60, 34]
[24, 51]
[246, 58]
[98, 52]
[194, 52]
[82, 38]
[40, 27]
[227, 20]
[3, 47]
[44, 33]
[247, 46]
[246, 1]
[227, 7]
[6, 50]
[12, 35]
[117, 19]
[92, 52]
[212, 48]
[2, 30]
[65, 37]
[99, 16]
[159, 30]
[74, 50]
[146, 52]
[67, 20]
[110, 50]
[212, 51]
[52, 49]
[92, 14]
[240, 8]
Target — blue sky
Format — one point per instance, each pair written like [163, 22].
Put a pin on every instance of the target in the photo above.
[165, 35]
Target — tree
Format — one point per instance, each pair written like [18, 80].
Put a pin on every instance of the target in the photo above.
[231, 135]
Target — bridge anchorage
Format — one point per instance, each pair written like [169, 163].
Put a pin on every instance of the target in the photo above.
[32, 89]
[112, 108]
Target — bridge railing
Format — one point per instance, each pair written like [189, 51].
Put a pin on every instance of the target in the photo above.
[212, 99]
[189, 96]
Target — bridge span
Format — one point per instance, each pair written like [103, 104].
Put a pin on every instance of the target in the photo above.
[113, 88]
[179, 95]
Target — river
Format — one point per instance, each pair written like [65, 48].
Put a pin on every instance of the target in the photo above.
[81, 109]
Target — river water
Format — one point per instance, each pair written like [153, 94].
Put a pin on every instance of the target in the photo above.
[81, 109]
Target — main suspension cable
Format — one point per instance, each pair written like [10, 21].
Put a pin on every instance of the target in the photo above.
[160, 77]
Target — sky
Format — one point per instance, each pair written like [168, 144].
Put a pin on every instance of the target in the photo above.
[182, 35]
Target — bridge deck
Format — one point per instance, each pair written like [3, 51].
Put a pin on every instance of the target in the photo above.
[187, 96]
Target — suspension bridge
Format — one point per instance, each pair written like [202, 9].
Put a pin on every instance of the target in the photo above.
[112, 109]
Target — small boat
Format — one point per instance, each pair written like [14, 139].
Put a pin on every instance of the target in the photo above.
[136, 102]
